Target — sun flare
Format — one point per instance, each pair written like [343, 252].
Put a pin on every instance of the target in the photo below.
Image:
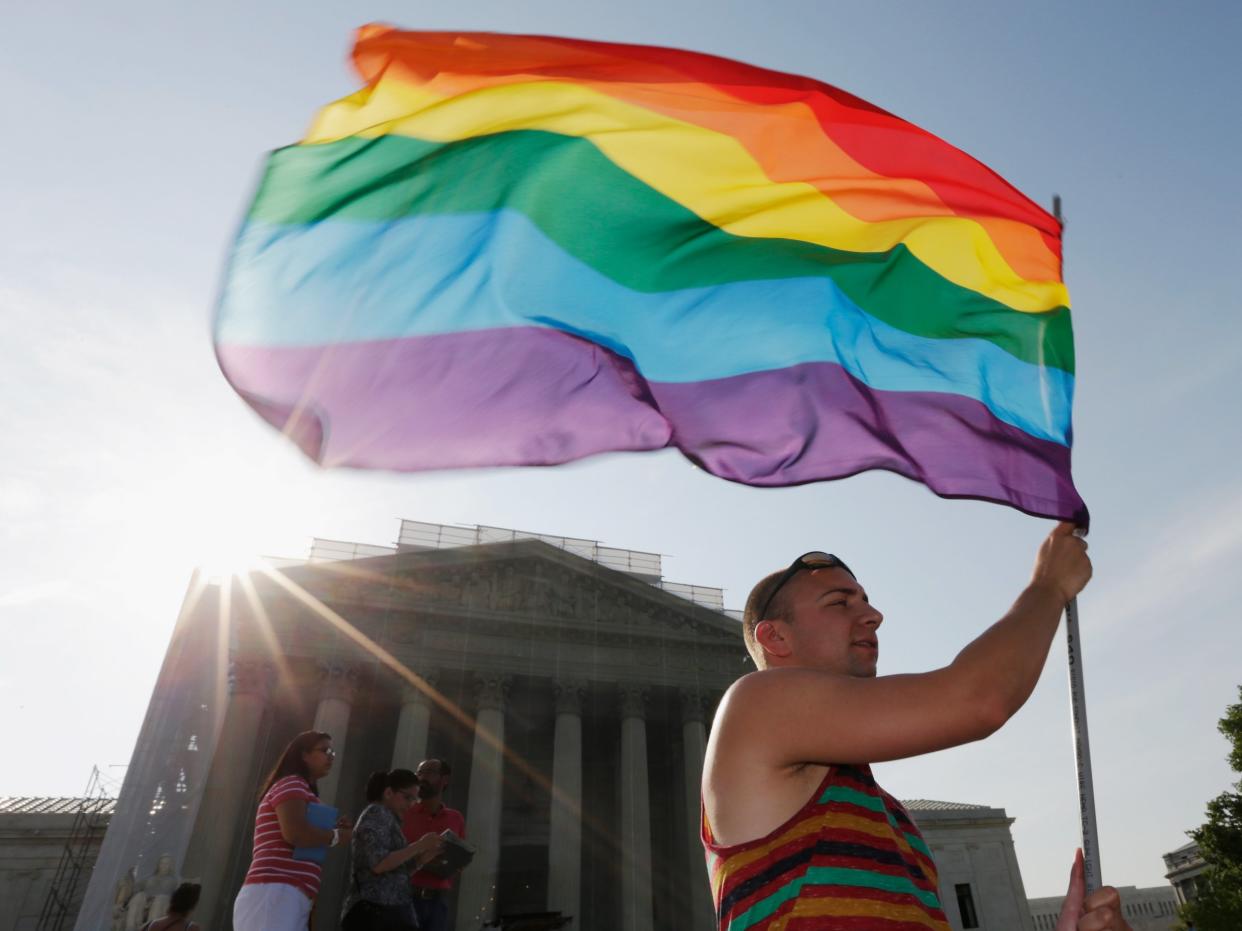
[221, 517]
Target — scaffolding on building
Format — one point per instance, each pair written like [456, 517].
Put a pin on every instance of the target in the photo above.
[90, 819]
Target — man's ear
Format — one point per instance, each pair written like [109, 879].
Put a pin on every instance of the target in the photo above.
[772, 637]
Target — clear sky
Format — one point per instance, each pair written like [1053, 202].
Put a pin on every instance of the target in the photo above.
[134, 131]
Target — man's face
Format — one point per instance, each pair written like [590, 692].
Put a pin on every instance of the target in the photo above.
[430, 781]
[832, 626]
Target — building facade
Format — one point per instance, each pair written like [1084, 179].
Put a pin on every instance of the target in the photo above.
[37, 837]
[569, 689]
[980, 881]
[1184, 865]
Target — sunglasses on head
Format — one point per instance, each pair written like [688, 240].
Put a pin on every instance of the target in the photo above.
[807, 561]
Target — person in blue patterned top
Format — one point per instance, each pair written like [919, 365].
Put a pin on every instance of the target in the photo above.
[379, 897]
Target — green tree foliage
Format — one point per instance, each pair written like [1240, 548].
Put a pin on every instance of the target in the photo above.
[1218, 906]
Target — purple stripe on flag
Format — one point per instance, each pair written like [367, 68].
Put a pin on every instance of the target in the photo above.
[523, 396]
[815, 421]
[531, 396]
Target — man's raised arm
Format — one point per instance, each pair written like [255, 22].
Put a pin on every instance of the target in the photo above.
[803, 713]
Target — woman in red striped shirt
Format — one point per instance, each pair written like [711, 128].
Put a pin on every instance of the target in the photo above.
[279, 890]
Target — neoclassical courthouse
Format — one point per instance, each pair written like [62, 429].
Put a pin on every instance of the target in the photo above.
[569, 685]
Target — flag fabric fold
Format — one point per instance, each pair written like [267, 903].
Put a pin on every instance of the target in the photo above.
[521, 250]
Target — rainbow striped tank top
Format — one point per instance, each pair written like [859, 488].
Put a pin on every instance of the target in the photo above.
[850, 859]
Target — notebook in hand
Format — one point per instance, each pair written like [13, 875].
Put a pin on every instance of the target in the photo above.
[319, 816]
[455, 854]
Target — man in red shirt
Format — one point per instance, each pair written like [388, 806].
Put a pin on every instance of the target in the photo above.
[431, 814]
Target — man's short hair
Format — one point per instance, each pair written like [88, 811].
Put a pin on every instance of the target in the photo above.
[443, 765]
[777, 610]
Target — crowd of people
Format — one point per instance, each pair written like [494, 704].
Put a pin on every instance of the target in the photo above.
[401, 829]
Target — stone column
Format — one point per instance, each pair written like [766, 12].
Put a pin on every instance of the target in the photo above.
[636, 904]
[231, 794]
[694, 747]
[565, 827]
[476, 900]
[338, 685]
[413, 726]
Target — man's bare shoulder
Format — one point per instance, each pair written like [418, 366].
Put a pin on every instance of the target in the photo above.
[748, 788]
[756, 695]
[752, 717]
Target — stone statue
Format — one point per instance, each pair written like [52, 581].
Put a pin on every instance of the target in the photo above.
[150, 897]
[136, 910]
[124, 892]
[159, 887]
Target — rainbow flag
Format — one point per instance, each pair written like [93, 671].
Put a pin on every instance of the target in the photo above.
[523, 250]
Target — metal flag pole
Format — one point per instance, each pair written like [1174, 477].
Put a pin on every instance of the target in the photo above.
[1082, 752]
[1078, 712]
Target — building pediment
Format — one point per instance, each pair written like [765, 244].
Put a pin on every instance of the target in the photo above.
[516, 606]
[526, 579]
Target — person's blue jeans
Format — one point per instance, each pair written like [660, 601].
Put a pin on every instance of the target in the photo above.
[432, 914]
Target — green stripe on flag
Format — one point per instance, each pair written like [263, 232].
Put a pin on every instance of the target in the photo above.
[626, 230]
